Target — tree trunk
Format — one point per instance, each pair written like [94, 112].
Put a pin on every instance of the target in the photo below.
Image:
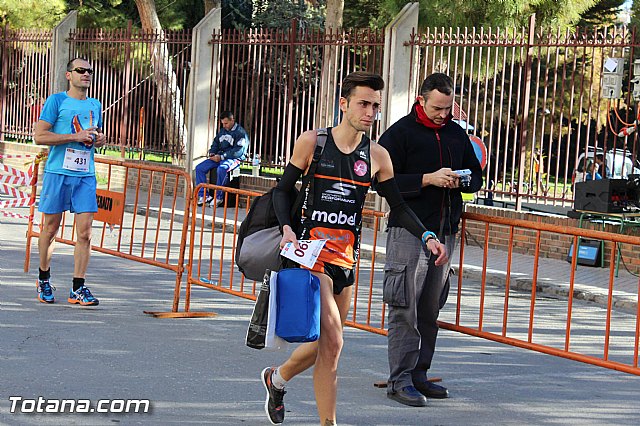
[329, 77]
[209, 5]
[165, 78]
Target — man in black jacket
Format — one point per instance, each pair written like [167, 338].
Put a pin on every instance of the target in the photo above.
[427, 150]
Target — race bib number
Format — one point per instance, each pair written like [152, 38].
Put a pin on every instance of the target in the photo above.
[76, 160]
[307, 254]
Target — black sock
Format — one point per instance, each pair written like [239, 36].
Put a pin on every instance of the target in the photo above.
[44, 275]
[77, 283]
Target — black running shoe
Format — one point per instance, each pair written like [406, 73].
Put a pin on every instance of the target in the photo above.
[274, 405]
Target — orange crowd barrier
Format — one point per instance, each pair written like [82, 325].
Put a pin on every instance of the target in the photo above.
[211, 264]
[581, 332]
[143, 213]
[477, 308]
[130, 193]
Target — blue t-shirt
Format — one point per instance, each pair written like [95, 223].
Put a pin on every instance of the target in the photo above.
[68, 115]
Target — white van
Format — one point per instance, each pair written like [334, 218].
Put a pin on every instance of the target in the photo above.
[621, 165]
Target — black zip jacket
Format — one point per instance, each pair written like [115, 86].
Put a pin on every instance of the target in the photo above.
[416, 149]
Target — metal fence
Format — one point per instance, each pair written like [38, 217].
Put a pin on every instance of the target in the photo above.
[24, 79]
[140, 78]
[533, 96]
[273, 80]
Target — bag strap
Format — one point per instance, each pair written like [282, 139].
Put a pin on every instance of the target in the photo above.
[306, 191]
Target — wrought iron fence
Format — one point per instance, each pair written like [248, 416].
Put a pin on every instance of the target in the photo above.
[533, 96]
[140, 78]
[273, 80]
[24, 79]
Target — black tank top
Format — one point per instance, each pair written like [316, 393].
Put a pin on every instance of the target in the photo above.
[340, 186]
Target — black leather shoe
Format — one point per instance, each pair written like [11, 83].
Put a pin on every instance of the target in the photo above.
[408, 396]
[431, 390]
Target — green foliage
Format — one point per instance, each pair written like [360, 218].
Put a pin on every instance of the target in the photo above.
[31, 13]
[107, 14]
[494, 13]
[635, 15]
[173, 14]
[602, 13]
[279, 13]
[363, 14]
[236, 14]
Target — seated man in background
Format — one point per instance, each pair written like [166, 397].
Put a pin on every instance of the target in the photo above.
[228, 149]
[603, 169]
[592, 171]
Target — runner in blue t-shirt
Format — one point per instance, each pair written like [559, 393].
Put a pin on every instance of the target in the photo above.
[71, 124]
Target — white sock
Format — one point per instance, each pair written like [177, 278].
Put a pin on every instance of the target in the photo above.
[277, 380]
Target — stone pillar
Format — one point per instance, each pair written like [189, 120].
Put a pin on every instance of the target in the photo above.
[400, 90]
[202, 91]
[60, 50]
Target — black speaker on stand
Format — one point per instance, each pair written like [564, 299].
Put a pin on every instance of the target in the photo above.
[602, 196]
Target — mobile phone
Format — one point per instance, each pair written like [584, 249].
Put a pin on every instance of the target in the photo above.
[463, 172]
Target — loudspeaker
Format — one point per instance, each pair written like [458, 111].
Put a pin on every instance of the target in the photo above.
[588, 252]
[602, 196]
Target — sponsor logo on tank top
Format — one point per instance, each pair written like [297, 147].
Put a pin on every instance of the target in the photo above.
[338, 235]
[327, 164]
[339, 191]
[339, 218]
[360, 168]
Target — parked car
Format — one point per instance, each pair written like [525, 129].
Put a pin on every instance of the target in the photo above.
[621, 165]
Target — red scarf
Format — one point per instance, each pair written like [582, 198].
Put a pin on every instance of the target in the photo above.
[426, 121]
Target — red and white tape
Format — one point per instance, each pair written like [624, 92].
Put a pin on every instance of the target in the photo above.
[9, 190]
[18, 156]
[16, 215]
[10, 179]
[18, 202]
[14, 180]
[12, 171]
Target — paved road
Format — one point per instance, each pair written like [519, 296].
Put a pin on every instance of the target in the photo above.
[199, 371]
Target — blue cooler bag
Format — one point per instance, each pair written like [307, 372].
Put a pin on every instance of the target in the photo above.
[298, 299]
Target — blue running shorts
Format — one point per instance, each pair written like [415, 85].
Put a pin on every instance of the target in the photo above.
[74, 193]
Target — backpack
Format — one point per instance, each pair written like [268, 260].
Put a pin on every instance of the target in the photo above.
[257, 247]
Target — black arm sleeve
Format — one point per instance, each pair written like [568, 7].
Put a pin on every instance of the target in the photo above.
[282, 195]
[406, 217]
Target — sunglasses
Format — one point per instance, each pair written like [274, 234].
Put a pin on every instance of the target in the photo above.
[82, 70]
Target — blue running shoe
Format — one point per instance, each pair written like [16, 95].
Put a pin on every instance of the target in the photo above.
[83, 297]
[45, 291]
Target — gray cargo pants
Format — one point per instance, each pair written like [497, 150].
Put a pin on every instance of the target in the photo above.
[415, 290]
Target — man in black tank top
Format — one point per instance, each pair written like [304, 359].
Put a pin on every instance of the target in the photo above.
[348, 164]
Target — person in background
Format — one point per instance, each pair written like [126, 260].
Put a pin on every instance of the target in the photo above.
[427, 149]
[592, 171]
[71, 124]
[602, 166]
[228, 149]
